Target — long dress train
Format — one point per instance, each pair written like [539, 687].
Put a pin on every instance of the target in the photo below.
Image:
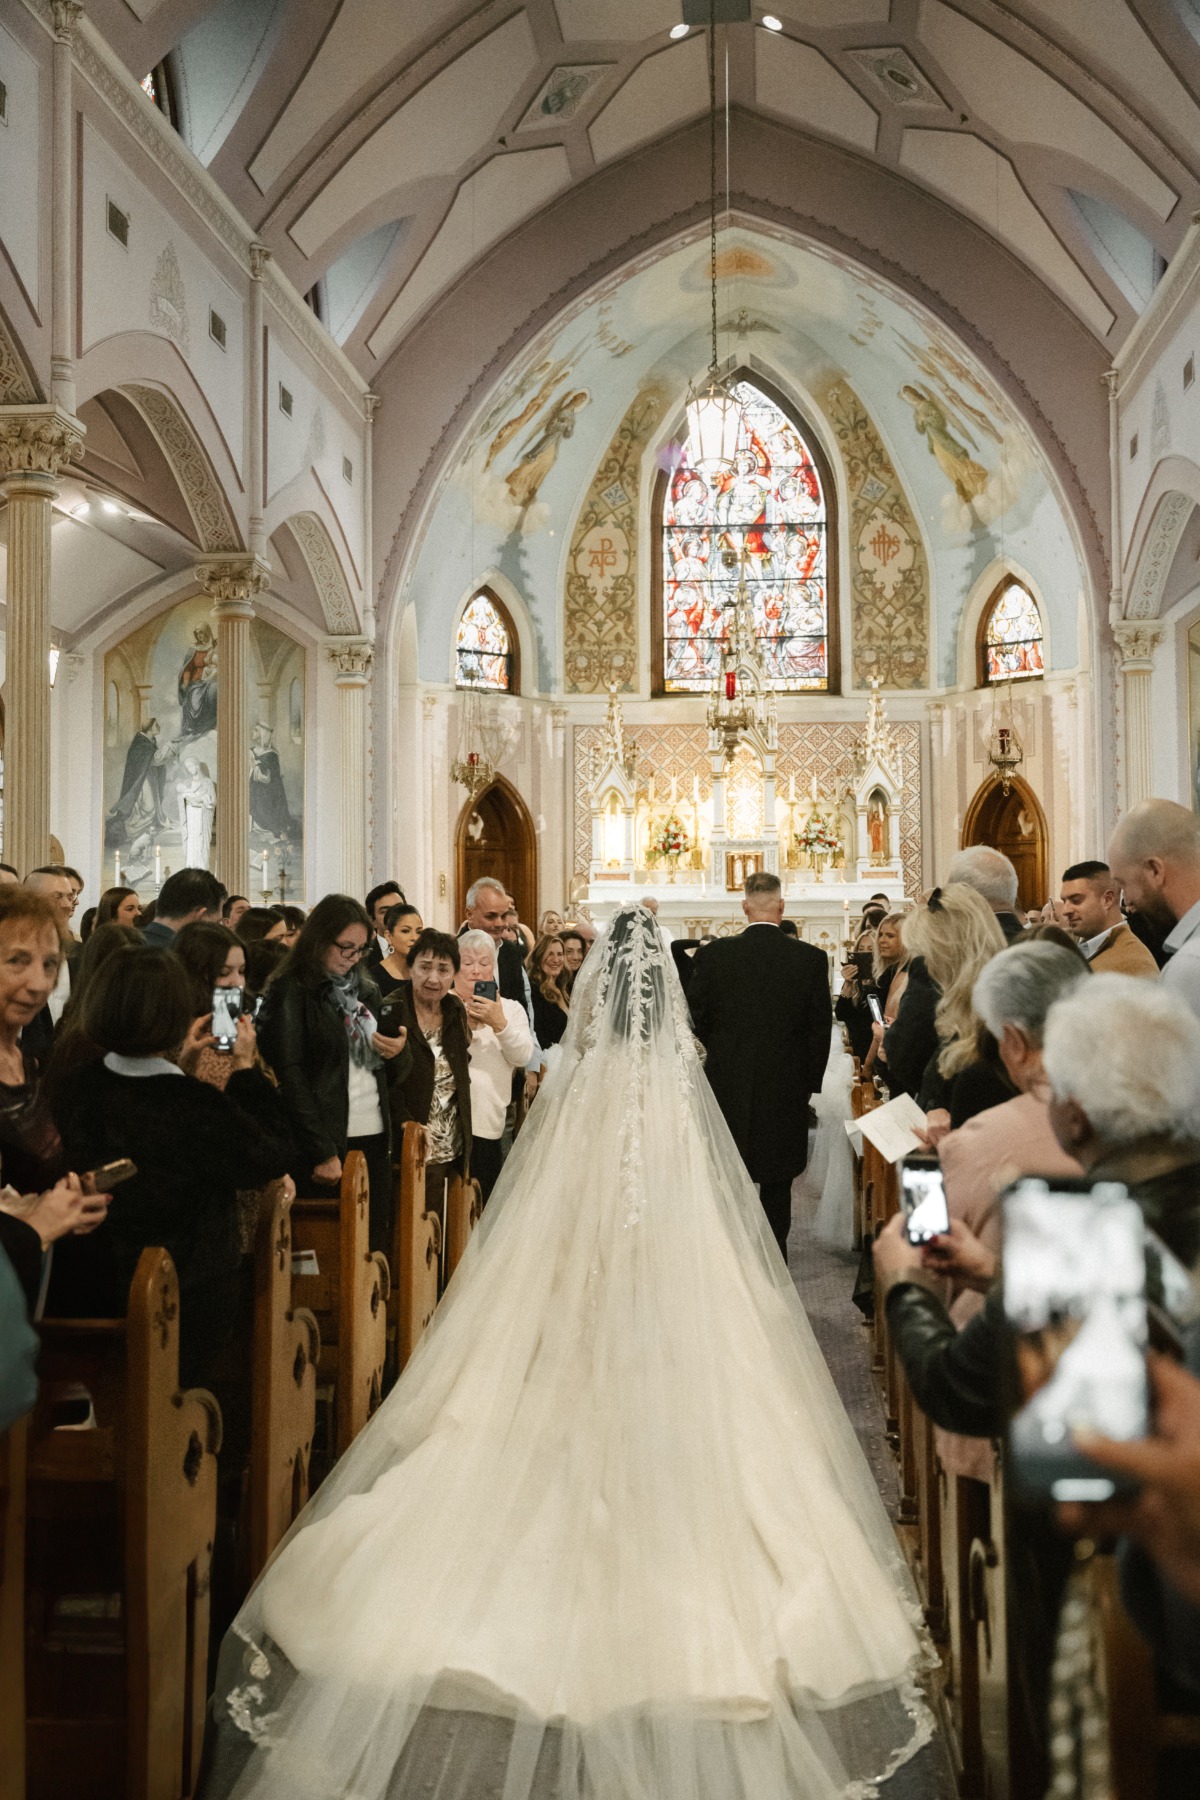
[612, 1536]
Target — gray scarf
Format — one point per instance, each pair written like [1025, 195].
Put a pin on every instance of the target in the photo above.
[359, 1021]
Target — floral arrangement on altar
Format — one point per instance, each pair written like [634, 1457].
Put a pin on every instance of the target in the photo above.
[669, 842]
[818, 838]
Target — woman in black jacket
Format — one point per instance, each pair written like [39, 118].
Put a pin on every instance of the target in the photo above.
[435, 1088]
[319, 1033]
[193, 1147]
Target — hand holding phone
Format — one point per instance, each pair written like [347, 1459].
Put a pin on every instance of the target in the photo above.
[226, 1010]
[923, 1199]
[874, 1008]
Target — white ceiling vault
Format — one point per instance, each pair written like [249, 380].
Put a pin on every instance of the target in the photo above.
[387, 146]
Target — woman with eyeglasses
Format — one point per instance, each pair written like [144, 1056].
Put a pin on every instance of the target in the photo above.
[319, 1031]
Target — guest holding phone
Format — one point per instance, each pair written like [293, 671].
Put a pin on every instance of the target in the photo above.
[319, 1030]
[215, 960]
[850, 1008]
[435, 1087]
[501, 1042]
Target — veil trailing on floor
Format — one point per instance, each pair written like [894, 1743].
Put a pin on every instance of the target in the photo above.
[612, 1536]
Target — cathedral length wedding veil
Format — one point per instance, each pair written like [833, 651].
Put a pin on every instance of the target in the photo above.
[612, 1536]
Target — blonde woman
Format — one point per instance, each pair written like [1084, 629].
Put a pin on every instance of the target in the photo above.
[889, 973]
[952, 938]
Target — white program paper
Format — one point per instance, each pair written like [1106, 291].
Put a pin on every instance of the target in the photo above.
[893, 1128]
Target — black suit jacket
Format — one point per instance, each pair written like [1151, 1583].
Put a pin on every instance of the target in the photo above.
[760, 1006]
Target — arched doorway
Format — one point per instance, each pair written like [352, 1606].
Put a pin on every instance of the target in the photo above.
[1015, 823]
[496, 837]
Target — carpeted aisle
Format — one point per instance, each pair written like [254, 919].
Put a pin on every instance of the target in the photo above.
[824, 1279]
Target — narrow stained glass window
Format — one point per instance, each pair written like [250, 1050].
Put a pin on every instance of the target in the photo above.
[1012, 643]
[483, 647]
[149, 86]
[766, 519]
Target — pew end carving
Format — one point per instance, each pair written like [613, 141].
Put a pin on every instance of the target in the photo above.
[418, 1246]
[287, 1349]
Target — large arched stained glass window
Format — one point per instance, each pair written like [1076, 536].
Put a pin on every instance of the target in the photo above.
[765, 518]
[1011, 636]
[485, 647]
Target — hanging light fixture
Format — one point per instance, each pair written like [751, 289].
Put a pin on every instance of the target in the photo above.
[713, 415]
[1005, 750]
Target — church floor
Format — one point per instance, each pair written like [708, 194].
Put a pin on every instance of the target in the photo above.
[824, 1279]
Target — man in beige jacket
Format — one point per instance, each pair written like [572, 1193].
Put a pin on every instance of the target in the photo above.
[1091, 912]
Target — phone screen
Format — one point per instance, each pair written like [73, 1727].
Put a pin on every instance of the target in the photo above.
[486, 990]
[923, 1197]
[1075, 1300]
[226, 1005]
[874, 1008]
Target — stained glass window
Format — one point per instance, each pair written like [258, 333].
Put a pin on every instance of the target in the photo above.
[765, 517]
[149, 86]
[1012, 640]
[483, 648]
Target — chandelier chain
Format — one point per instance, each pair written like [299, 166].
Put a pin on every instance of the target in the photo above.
[712, 173]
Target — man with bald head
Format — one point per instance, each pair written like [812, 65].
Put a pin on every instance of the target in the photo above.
[1155, 855]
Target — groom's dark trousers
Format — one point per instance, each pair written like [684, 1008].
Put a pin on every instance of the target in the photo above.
[760, 1005]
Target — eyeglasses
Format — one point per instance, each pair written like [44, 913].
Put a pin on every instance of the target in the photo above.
[354, 951]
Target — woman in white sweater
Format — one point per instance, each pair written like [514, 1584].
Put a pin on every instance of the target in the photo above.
[501, 1041]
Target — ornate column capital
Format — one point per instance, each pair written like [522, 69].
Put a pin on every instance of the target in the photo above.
[231, 582]
[66, 16]
[1137, 640]
[370, 403]
[260, 256]
[352, 659]
[38, 440]
[1111, 379]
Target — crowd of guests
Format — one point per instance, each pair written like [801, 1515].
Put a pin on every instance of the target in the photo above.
[1062, 1044]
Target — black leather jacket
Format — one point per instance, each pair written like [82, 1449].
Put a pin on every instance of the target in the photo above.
[303, 1038]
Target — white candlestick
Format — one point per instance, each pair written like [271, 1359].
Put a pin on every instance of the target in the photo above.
[792, 788]
[814, 787]
[157, 866]
[116, 868]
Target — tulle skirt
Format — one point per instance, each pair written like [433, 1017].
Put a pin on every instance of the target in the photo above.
[612, 1536]
[829, 1178]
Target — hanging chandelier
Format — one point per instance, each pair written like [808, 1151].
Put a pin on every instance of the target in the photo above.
[714, 417]
[743, 703]
[1005, 750]
[483, 742]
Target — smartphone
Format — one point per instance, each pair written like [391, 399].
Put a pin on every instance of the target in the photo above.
[874, 1008]
[486, 990]
[1075, 1301]
[110, 1175]
[226, 1005]
[923, 1198]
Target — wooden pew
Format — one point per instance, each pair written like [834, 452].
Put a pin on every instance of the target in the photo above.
[121, 1520]
[349, 1295]
[464, 1209]
[287, 1348]
[418, 1246]
[12, 1611]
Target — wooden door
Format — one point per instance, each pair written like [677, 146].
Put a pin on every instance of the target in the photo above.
[496, 837]
[1014, 823]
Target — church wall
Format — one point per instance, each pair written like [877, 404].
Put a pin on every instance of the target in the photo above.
[24, 164]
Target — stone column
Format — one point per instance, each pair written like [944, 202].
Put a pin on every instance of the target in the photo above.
[35, 441]
[260, 256]
[66, 15]
[352, 659]
[232, 582]
[1137, 640]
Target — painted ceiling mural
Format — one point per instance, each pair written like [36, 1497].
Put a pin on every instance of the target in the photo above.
[960, 472]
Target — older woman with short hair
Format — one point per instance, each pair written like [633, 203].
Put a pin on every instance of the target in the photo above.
[501, 1042]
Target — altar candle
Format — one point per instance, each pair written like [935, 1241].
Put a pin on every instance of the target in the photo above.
[814, 787]
[157, 865]
[845, 921]
[116, 868]
[695, 790]
[792, 788]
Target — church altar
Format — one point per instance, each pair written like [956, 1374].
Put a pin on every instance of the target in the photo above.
[832, 842]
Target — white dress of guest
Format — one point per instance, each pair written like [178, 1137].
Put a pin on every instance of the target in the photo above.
[611, 1535]
[494, 1055]
[829, 1178]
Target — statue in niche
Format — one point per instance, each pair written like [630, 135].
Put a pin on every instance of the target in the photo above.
[877, 827]
[197, 796]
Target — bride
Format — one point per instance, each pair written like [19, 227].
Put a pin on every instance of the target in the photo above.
[612, 1536]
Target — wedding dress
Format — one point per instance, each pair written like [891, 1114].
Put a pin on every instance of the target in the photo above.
[829, 1178]
[612, 1536]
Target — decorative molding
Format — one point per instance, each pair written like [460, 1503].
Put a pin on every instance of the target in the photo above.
[260, 256]
[316, 547]
[889, 572]
[352, 659]
[38, 440]
[65, 15]
[16, 385]
[206, 502]
[231, 583]
[1158, 553]
[69, 664]
[600, 615]
[1137, 644]
[168, 299]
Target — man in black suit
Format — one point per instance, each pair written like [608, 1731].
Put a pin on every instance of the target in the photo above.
[379, 903]
[760, 1006]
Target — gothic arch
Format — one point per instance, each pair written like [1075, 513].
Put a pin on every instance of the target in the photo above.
[1016, 824]
[970, 623]
[312, 539]
[512, 603]
[210, 512]
[507, 818]
[1171, 494]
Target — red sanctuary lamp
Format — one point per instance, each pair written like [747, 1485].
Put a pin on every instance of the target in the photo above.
[730, 683]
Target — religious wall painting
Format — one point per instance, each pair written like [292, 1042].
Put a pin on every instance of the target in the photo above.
[600, 646]
[562, 94]
[985, 464]
[1193, 644]
[277, 733]
[519, 440]
[889, 582]
[161, 688]
[762, 523]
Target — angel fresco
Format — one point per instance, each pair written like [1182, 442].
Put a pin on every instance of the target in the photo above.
[966, 476]
[541, 452]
